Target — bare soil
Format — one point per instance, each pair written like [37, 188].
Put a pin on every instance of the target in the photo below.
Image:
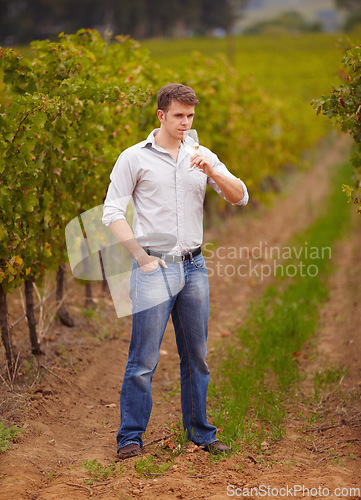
[68, 399]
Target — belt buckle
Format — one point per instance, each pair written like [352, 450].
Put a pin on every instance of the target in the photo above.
[183, 258]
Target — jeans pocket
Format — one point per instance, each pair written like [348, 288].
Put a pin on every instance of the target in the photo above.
[198, 262]
[146, 273]
[151, 289]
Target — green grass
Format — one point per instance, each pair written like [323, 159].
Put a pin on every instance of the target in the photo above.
[150, 466]
[284, 65]
[324, 378]
[8, 435]
[98, 472]
[89, 312]
[260, 372]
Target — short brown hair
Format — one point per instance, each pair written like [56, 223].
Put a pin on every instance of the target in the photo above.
[176, 92]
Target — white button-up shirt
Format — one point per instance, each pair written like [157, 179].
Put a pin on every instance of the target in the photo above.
[166, 194]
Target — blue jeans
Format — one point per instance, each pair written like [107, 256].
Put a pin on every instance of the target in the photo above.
[182, 291]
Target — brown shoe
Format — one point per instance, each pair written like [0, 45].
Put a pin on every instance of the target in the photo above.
[217, 448]
[131, 450]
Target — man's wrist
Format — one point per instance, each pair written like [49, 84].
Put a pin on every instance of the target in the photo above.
[141, 257]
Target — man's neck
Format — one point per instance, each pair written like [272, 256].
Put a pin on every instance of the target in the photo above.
[168, 143]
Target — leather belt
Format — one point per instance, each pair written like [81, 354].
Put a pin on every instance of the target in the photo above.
[173, 258]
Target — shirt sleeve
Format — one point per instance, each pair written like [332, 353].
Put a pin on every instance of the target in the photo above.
[120, 190]
[222, 169]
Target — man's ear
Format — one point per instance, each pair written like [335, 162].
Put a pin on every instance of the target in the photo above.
[161, 115]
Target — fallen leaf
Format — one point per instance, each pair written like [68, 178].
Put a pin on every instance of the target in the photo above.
[193, 447]
[168, 443]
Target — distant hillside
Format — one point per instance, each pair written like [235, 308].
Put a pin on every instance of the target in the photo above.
[322, 11]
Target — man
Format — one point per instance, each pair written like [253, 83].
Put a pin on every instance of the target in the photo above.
[169, 276]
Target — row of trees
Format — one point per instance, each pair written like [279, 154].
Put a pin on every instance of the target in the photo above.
[23, 21]
[59, 130]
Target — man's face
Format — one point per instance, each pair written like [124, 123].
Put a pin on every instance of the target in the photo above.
[177, 119]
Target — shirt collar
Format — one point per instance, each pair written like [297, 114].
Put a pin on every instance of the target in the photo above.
[150, 139]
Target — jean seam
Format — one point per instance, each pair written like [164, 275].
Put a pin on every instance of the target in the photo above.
[185, 268]
[190, 369]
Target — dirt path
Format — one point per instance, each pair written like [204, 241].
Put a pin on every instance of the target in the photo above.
[73, 413]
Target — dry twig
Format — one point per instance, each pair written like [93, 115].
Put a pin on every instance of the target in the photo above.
[80, 486]
[159, 440]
